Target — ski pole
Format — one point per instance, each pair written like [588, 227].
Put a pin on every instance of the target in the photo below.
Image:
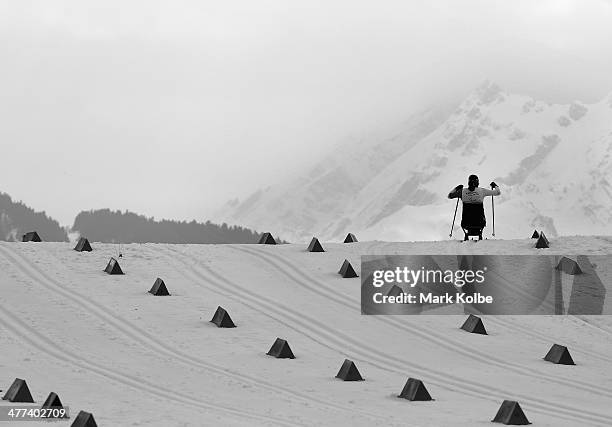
[493, 210]
[454, 216]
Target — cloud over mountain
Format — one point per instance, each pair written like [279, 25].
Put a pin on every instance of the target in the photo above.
[552, 162]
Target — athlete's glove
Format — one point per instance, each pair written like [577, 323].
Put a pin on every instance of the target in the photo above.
[493, 184]
[459, 187]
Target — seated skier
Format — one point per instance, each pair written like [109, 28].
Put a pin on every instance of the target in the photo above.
[473, 217]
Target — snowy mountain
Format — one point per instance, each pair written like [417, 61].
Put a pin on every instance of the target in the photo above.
[552, 163]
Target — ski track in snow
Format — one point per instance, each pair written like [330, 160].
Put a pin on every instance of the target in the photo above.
[510, 323]
[373, 354]
[514, 324]
[24, 331]
[156, 346]
[218, 287]
[455, 345]
[152, 344]
[21, 330]
[218, 275]
[590, 323]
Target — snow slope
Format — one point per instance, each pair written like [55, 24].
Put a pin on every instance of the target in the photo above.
[107, 346]
[552, 162]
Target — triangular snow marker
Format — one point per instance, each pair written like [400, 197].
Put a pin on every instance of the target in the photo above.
[349, 372]
[281, 350]
[113, 267]
[53, 402]
[415, 390]
[83, 245]
[222, 319]
[84, 419]
[474, 325]
[315, 246]
[395, 291]
[267, 239]
[510, 413]
[350, 238]
[347, 271]
[560, 355]
[18, 392]
[31, 236]
[159, 288]
[542, 242]
[535, 234]
[569, 266]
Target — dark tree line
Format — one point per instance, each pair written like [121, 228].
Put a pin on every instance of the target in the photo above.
[108, 226]
[16, 219]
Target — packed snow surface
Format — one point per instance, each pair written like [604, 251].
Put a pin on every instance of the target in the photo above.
[107, 346]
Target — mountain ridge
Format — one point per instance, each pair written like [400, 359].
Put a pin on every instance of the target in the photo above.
[385, 189]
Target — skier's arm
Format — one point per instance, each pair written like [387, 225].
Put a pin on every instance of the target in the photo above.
[456, 192]
[494, 192]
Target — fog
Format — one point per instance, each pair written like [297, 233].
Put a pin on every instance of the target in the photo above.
[171, 108]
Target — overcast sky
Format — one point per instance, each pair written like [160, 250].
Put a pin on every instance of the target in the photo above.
[169, 108]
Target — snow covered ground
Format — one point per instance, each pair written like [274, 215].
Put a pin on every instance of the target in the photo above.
[108, 347]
